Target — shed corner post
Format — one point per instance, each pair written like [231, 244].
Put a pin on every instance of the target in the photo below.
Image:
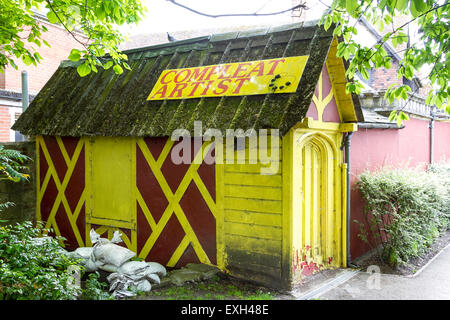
[220, 233]
[287, 218]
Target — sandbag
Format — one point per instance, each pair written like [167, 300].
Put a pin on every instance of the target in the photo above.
[155, 267]
[133, 267]
[152, 277]
[110, 253]
[92, 265]
[108, 268]
[143, 285]
[84, 252]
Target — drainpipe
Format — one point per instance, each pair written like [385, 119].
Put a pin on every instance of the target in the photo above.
[431, 126]
[347, 161]
[24, 90]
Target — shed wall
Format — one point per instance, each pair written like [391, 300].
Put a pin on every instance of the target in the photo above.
[252, 218]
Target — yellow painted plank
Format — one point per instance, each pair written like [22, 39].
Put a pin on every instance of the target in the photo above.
[253, 168]
[256, 231]
[253, 244]
[257, 218]
[252, 179]
[253, 192]
[244, 258]
[256, 205]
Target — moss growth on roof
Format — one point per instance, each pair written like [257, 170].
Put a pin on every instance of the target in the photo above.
[107, 104]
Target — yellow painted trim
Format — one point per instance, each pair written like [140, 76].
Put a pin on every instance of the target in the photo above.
[178, 252]
[336, 72]
[310, 123]
[220, 215]
[38, 181]
[288, 208]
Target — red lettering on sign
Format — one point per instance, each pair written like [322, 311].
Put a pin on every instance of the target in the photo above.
[274, 65]
[179, 87]
[161, 92]
[259, 68]
[164, 77]
[211, 71]
[223, 72]
[198, 74]
[241, 68]
[205, 91]
[188, 73]
[195, 85]
[223, 86]
[240, 82]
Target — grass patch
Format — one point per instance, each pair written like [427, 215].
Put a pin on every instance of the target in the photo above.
[217, 288]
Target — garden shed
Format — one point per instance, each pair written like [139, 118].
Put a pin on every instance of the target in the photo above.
[105, 153]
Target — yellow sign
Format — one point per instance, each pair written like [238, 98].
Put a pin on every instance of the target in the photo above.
[280, 75]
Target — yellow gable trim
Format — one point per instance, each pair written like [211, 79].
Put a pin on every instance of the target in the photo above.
[336, 71]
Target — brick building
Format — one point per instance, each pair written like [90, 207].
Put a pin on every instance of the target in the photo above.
[61, 42]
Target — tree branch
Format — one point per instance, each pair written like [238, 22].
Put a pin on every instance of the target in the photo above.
[65, 27]
[255, 14]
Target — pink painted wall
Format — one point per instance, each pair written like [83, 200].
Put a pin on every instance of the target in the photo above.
[441, 140]
[375, 148]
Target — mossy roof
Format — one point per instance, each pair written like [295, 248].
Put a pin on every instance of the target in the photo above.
[107, 104]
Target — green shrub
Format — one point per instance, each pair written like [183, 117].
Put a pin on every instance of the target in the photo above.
[33, 267]
[406, 209]
[94, 289]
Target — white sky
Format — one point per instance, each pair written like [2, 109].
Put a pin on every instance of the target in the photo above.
[164, 16]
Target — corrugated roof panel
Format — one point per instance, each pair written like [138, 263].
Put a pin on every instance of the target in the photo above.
[107, 104]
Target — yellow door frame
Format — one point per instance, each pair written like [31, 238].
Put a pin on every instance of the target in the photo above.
[293, 216]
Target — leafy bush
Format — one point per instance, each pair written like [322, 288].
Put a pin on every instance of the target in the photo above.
[35, 268]
[406, 209]
[11, 165]
[95, 290]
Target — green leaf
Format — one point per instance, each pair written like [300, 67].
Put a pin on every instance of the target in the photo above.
[351, 6]
[328, 22]
[108, 64]
[364, 73]
[399, 122]
[126, 66]
[392, 115]
[117, 69]
[52, 17]
[401, 4]
[84, 69]
[417, 7]
[403, 116]
[27, 59]
[75, 55]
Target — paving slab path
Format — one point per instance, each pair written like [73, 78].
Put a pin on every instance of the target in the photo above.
[431, 283]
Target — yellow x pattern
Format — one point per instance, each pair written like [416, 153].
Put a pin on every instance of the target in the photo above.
[60, 185]
[173, 206]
